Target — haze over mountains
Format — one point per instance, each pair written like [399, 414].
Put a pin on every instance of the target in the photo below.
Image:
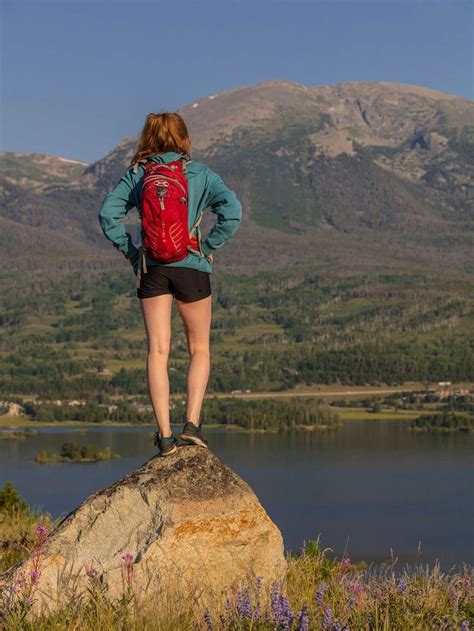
[353, 174]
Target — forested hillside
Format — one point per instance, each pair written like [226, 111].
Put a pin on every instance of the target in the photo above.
[82, 336]
[353, 263]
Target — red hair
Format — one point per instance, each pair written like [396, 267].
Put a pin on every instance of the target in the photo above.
[163, 132]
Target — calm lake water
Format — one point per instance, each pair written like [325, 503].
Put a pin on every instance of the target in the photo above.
[372, 486]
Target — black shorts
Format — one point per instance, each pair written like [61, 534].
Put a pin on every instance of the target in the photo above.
[184, 283]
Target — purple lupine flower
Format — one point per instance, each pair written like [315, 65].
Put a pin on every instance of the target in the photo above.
[258, 584]
[286, 610]
[244, 606]
[352, 602]
[464, 626]
[466, 584]
[279, 612]
[224, 617]
[208, 620]
[303, 620]
[455, 600]
[291, 618]
[320, 592]
[257, 612]
[336, 625]
[275, 601]
[327, 617]
[281, 609]
[401, 585]
[274, 594]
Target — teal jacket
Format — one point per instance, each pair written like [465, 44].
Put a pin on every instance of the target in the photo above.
[205, 189]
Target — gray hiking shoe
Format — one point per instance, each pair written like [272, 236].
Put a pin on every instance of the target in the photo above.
[166, 445]
[193, 434]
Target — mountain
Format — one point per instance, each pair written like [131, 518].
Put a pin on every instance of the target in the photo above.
[354, 174]
[40, 213]
[38, 170]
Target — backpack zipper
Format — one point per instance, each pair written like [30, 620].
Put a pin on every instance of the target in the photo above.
[152, 178]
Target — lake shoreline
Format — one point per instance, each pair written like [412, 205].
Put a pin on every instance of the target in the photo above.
[4, 426]
[352, 414]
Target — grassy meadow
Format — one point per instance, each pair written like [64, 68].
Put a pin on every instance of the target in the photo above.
[319, 591]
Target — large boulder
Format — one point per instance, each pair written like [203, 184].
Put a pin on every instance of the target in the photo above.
[185, 524]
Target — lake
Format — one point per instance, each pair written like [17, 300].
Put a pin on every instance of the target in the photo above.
[370, 487]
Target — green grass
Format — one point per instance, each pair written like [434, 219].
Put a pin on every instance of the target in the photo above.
[385, 415]
[317, 592]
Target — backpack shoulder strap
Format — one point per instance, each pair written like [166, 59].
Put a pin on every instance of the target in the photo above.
[185, 162]
[142, 161]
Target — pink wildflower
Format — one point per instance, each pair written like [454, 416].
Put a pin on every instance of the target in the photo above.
[90, 570]
[128, 558]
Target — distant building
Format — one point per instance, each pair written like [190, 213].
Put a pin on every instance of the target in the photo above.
[14, 409]
[110, 408]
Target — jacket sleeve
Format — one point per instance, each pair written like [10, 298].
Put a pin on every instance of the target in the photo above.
[115, 206]
[227, 207]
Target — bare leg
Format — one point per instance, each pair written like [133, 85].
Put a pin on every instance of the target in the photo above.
[157, 317]
[196, 317]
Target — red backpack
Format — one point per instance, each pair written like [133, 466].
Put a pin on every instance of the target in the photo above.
[164, 214]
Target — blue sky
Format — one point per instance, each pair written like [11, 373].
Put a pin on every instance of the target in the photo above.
[77, 77]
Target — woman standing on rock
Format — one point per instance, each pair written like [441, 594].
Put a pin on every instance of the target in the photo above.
[171, 192]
